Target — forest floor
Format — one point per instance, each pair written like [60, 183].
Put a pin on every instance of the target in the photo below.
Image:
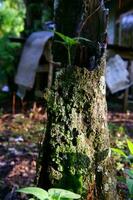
[20, 140]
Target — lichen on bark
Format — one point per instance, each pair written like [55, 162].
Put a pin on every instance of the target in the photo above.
[76, 146]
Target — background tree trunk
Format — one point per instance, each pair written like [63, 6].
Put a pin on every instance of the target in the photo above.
[76, 146]
[37, 12]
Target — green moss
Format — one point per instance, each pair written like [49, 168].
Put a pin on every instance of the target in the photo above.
[71, 158]
[76, 140]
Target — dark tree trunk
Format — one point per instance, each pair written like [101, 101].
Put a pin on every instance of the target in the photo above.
[35, 10]
[76, 146]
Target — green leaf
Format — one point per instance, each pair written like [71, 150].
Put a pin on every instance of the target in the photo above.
[129, 172]
[130, 185]
[130, 146]
[119, 151]
[86, 40]
[69, 41]
[37, 192]
[63, 193]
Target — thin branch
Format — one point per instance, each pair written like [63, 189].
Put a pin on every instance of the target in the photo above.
[83, 24]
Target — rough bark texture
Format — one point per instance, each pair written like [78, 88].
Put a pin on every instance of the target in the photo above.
[67, 18]
[76, 146]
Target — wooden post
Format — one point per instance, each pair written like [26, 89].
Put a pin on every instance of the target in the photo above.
[125, 106]
[50, 70]
[14, 103]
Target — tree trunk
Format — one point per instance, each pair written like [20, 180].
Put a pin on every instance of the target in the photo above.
[76, 147]
[35, 12]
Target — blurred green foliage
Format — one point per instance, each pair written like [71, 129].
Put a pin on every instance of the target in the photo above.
[124, 161]
[12, 15]
[8, 57]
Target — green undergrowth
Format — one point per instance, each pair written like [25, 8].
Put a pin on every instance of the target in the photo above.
[122, 153]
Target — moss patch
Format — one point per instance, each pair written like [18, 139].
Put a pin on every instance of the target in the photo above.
[77, 142]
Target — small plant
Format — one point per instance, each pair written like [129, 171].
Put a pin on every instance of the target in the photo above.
[128, 171]
[69, 42]
[122, 153]
[51, 194]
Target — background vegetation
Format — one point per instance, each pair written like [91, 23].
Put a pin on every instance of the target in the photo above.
[12, 15]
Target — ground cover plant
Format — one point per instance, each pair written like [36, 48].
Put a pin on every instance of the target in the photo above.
[51, 194]
[122, 153]
[125, 163]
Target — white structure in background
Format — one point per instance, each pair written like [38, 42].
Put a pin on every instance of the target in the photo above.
[36, 44]
[117, 75]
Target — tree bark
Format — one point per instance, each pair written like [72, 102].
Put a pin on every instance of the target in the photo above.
[76, 146]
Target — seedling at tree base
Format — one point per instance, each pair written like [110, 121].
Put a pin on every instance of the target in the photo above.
[51, 194]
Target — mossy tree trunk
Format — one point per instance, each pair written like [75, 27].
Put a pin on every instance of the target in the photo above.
[76, 145]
